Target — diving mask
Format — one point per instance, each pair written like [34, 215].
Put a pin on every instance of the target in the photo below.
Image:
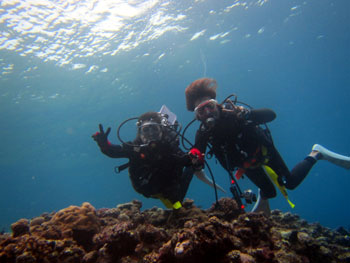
[206, 109]
[150, 131]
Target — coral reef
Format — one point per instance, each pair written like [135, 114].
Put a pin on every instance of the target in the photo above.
[125, 234]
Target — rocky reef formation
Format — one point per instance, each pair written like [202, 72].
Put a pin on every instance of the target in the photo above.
[126, 234]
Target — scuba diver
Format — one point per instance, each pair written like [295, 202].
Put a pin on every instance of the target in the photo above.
[236, 136]
[158, 168]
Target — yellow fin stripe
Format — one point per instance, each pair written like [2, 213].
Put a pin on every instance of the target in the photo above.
[168, 204]
[177, 205]
[273, 176]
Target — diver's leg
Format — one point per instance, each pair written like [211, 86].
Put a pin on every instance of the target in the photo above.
[266, 189]
[185, 181]
[300, 171]
[177, 188]
[261, 180]
[291, 179]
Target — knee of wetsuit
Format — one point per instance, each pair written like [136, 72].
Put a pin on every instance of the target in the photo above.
[281, 180]
[268, 194]
[290, 185]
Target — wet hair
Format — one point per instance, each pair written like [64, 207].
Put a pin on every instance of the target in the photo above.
[149, 116]
[200, 88]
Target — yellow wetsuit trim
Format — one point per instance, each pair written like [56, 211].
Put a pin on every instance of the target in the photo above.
[273, 176]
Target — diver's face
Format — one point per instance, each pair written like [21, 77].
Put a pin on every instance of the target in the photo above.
[207, 109]
[150, 131]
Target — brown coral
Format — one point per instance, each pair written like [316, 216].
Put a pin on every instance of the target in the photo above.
[21, 227]
[126, 234]
[79, 223]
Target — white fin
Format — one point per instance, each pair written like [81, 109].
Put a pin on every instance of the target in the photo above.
[204, 178]
[335, 158]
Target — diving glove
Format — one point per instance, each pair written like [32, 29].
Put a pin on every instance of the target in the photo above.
[101, 137]
[197, 158]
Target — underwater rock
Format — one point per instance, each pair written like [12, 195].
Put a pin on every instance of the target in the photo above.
[223, 233]
[21, 227]
[77, 223]
[37, 221]
[226, 209]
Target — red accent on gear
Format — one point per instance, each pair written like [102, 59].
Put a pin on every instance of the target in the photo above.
[198, 154]
[239, 173]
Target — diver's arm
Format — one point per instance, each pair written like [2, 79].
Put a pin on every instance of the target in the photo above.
[114, 151]
[257, 116]
[181, 158]
[106, 147]
[201, 141]
[204, 178]
[188, 158]
[262, 115]
[192, 158]
[184, 159]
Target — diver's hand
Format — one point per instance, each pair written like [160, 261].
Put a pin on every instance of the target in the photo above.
[101, 136]
[242, 112]
[197, 158]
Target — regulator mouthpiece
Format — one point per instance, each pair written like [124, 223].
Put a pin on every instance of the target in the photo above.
[210, 122]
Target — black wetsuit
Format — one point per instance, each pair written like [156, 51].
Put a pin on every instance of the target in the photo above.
[163, 170]
[237, 141]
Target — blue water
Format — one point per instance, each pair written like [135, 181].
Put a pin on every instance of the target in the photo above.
[65, 68]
